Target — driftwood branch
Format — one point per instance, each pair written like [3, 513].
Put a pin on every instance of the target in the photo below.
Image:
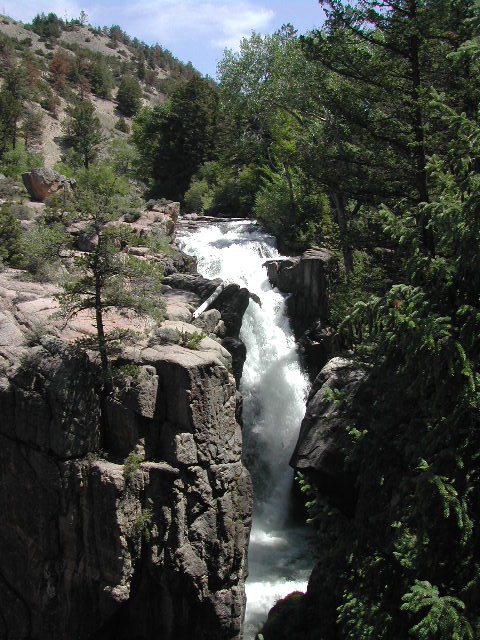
[209, 301]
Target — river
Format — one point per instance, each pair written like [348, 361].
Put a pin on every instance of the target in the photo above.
[274, 389]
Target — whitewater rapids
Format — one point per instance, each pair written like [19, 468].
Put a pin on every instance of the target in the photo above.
[274, 390]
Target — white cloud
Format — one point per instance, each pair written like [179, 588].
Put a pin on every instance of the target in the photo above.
[214, 24]
[196, 31]
[27, 9]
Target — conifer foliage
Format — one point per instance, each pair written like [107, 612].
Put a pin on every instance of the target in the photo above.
[406, 564]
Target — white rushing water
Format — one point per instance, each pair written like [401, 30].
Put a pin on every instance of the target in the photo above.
[274, 388]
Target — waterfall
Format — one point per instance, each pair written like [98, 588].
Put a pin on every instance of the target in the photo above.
[274, 389]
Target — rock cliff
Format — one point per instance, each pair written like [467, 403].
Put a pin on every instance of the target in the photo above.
[318, 451]
[307, 278]
[126, 516]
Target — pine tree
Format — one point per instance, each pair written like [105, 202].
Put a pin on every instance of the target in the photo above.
[129, 96]
[31, 126]
[105, 277]
[176, 138]
[83, 130]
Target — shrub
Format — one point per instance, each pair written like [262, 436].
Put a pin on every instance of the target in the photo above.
[132, 215]
[143, 522]
[83, 130]
[122, 155]
[191, 340]
[41, 248]
[21, 212]
[18, 161]
[47, 26]
[131, 464]
[9, 189]
[199, 197]
[367, 278]
[122, 125]
[296, 225]
[127, 374]
[10, 234]
[100, 77]
[129, 96]
[49, 100]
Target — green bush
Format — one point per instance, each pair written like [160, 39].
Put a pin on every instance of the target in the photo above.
[10, 235]
[297, 226]
[21, 212]
[132, 215]
[18, 161]
[191, 340]
[41, 248]
[129, 96]
[122, 125]
[131, 465]
[47, 26]
[9, 189]
[143, 522]
[100, 78]
[367, 278]
[199, 197]
[122, 155]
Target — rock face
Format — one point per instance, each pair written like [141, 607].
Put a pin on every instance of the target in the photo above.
[238, 351]
[43, 183]
[306, 278]
[318, 449]
[232, 304]
[161, 217]
[318, 344]
[96, 547]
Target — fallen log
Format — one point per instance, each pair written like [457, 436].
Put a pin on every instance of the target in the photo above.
[204, 306]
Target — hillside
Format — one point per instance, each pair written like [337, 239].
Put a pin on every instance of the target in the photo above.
[63, 60]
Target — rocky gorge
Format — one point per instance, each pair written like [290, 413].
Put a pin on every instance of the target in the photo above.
[136, 507]
[125, 515]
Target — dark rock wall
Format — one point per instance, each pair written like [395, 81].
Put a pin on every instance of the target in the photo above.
[306, 278]
[318, 451]
[91, 549]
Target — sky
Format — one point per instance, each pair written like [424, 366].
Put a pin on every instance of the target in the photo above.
[196, 31]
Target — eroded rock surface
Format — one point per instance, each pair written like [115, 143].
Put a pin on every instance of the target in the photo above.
[319, 446]
[160, 217]
[306, 278]
[231, 303]
[92, 548]
[43, 183]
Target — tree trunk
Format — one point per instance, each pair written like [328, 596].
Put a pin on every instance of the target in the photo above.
[102, 345]
[343, 225]
[420, 155]
[293, 207]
